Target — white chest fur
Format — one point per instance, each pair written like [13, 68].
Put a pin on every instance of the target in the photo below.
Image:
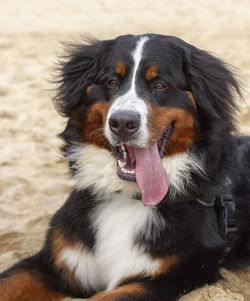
[117, 223]
[116, 256]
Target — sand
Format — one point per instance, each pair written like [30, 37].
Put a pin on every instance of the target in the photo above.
[34, 179]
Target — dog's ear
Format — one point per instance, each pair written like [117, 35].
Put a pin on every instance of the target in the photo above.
[212, 83]
[77, 70]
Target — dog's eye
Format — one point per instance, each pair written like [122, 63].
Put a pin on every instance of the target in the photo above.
[113, 83]
[159, 85]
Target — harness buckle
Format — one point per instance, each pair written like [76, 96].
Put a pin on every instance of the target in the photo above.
[226, 216]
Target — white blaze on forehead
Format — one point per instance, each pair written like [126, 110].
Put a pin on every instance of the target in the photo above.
[130, 100]
[137, 56]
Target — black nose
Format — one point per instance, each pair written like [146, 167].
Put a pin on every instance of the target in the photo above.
[124, 123]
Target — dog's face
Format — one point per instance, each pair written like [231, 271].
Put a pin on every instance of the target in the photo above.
[141, 96]
[138, 98]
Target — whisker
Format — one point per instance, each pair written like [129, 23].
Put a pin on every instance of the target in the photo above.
[96, 130]
[99, 138]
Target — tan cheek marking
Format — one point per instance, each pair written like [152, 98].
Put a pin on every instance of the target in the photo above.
[165, 264]
[190, 95]
[120, 68]
[183, 133]
[120, 292]
[25, 286]
[151, 72]
[59, 242]
[94, 124]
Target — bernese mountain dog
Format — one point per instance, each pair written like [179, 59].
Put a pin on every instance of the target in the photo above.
[162, 192]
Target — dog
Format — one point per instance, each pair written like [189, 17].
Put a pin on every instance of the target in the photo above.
[161, 200]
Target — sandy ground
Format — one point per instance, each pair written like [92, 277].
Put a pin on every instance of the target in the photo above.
[34, 180]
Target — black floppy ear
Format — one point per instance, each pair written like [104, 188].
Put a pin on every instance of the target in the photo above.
[77, 70]
[213, 85]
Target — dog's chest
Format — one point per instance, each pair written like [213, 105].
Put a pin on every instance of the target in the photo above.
[116, 255]
[118, 223]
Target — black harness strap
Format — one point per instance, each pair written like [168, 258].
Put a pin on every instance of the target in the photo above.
[225, 208]
[227, 222]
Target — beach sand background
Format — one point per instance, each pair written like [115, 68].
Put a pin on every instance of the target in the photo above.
[34, 179]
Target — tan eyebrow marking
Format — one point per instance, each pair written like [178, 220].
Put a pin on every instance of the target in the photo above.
[89, 88]
[151, 72]
[120, 68]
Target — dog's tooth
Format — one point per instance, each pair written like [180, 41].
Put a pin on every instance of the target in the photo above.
[124, 151]
[121, 164]
[124, 170]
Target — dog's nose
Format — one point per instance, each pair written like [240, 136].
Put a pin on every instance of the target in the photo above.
[124, 123]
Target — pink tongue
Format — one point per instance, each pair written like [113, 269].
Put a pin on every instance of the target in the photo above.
[150, 175]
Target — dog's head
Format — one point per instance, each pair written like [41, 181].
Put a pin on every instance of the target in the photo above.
[141, 110]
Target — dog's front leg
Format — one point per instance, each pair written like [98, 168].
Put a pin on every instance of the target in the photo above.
[147, 290]
[133, 291]
[27, 286]
[167, 286]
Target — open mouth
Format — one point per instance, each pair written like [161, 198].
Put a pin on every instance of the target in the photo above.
[144, 166]
[126, 158]
[126, 162]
